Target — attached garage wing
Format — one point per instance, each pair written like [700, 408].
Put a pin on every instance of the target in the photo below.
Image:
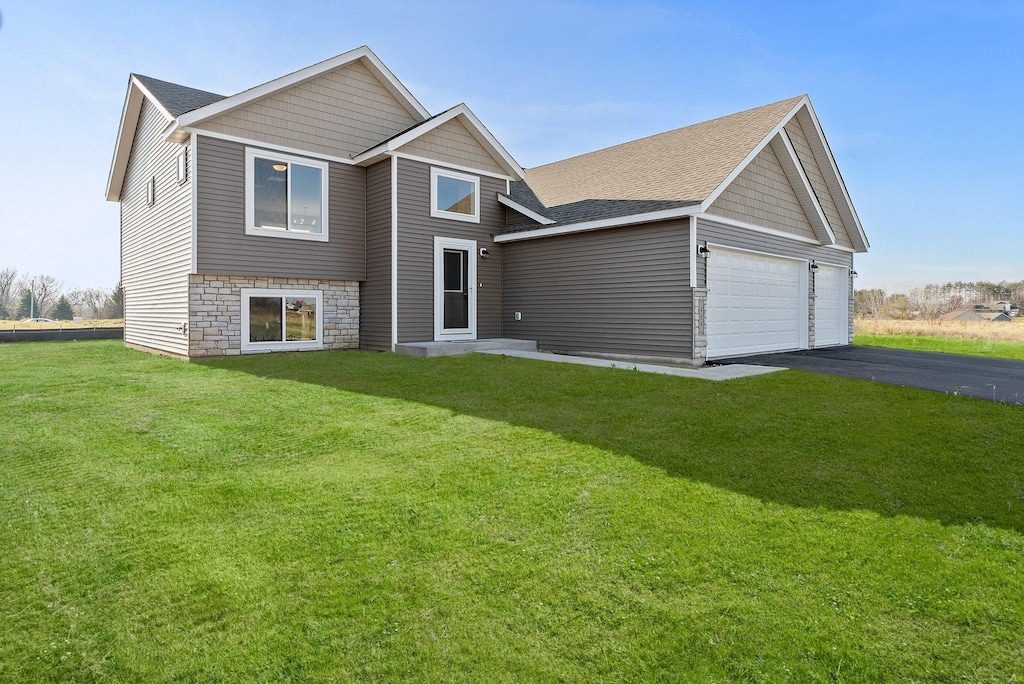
[756, 303]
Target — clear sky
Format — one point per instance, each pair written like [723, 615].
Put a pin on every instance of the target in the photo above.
[922, 102]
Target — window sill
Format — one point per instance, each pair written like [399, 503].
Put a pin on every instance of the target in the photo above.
[287, 234]
[466, 218]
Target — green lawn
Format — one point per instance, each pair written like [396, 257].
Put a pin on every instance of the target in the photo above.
[353, 516]
[950, 345]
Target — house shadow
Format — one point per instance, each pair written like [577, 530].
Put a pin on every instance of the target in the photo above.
[793, 438]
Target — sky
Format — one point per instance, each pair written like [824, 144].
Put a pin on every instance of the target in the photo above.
[922, 102]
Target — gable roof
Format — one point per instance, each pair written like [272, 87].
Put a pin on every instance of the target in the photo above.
[689, 167]
[176, 99]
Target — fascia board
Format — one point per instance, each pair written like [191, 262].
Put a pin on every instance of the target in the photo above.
[601, 224]
[296, 77]
[753, 153]
[525, 211]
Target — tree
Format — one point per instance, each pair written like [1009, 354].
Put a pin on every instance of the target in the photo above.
[4, 313]
[89, 302]
[45, 290]
[115, 303]
[62, 310]
[7, 292]
[26, 307]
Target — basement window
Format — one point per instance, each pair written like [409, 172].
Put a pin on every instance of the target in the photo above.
[280, 320]
[285, 196]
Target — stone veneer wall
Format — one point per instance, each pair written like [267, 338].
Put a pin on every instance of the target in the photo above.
[215, 311]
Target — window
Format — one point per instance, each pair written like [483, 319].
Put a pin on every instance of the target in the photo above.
[182, 162]
[285, 196]
[151, 191]
[454, 195]
[282, 320]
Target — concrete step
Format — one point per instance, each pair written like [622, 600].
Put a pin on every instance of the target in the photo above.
[432, 349]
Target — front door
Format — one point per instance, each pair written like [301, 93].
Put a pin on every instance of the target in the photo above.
[454, 289]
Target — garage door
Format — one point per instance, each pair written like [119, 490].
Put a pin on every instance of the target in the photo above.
[756, 303]
[831, 306]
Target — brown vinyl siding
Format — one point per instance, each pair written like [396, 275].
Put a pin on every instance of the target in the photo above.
[156, 241]
[416, 232]
[453, 143]
[798, 137]
[339, 113]
[621, 291]
[225, 249]
[763, 195]
[375, 292]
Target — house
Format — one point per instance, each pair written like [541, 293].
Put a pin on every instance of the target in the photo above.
[976, 313]
[327, 209]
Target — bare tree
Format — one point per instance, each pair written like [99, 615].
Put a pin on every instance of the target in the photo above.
[89, 302]
[8, 293]
[44, 289]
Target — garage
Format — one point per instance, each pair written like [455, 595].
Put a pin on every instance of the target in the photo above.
[756, 303]
[831, 306]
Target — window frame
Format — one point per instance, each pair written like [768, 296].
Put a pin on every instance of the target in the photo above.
[283, 345]
[251, 154]
[181, 165]
[436, 172]
[151, 191]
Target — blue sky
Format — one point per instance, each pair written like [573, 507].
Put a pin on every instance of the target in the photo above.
[922, 102]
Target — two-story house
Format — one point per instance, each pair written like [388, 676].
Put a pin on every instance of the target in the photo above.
[327, 209]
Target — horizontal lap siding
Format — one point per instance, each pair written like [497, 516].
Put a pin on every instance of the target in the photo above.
[623, 291]
[375, 292]
[729, 236]
[156, 242]
[416, 232]
[225, 249]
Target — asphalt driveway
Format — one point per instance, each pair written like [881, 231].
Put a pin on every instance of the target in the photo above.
[992, 379]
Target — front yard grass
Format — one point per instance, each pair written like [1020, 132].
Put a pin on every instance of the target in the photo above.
[999, 349]
[356, 516]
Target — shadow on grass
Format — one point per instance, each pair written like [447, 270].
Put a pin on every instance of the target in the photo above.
[794, 438]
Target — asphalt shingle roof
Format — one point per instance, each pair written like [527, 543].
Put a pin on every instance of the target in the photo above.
[177, 99]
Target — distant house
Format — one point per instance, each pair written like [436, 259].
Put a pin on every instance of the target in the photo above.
[328, 209]
[975, 314]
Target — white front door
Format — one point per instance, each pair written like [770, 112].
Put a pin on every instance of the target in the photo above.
[756, 303]
[454, 289]
[831, 306]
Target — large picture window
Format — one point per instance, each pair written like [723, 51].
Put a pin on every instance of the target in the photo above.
[454, 195]
[285, 196]
[282, 319]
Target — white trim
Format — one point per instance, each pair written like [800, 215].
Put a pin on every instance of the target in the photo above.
[193, 145]
[435, 173]
[394, 253]
[469, 246]
[525, 211]
[149, 95]
[251, 154]
[791, 164]
[448, 165]
[715, 218]
[750, 157]
[252, 142]
[130, 111]
[278, 84]
[693, 251]
[584, 226]
[476, 129]
[837, 180]
[842, 248]
[297, 345]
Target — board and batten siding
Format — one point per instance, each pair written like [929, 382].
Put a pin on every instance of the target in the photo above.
[453, 143]
[375, 291]
[763, 195]
[156, 241]
[225, 249]
[616, 291]
[416, 232]
[340, 113]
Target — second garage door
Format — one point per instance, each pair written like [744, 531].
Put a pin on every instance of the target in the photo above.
[831, 306]
[756, 303]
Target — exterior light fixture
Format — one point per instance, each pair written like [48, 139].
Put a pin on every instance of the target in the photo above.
[703, 251]
[853, 274]
[485, 253]
[813, 265]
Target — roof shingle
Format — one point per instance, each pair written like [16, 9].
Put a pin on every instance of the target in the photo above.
[177, 99]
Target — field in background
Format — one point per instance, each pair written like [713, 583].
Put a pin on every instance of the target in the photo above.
[964, 330]
[63, 325]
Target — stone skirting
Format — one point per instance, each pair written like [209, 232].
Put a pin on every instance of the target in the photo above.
[215, 311]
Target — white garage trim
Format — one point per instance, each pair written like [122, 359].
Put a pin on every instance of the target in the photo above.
[757, 302]
[831, 306]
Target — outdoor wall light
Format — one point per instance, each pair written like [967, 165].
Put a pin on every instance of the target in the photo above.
[484, 253]
[813, 265]
[853, 274]
[702, 250]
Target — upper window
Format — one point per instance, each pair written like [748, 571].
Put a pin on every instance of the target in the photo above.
[181, 162]
[454, 195]
[282, 319]
[285, 196]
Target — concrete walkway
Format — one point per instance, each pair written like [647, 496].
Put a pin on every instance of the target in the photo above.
[730, 372]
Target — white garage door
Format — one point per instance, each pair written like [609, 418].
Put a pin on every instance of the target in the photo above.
[831, 306]
[756, 303]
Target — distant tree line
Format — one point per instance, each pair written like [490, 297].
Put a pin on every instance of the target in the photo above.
[931, 301]
[26, 296]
